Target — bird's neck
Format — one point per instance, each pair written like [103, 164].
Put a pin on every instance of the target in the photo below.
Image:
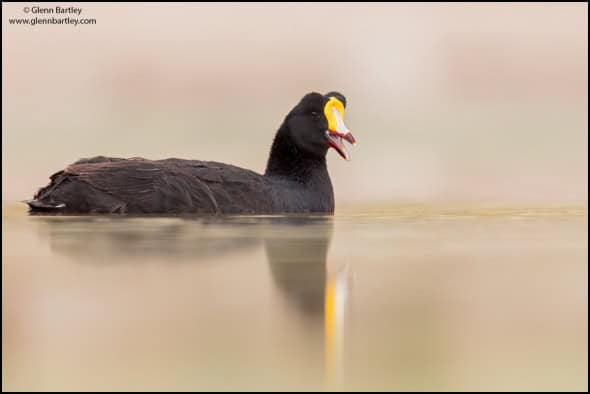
[287, 161]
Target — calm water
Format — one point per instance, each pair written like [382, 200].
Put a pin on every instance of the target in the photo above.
[396, 298]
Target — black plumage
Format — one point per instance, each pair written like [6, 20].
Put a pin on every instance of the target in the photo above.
[296, 179]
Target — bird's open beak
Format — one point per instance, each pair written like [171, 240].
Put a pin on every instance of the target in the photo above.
[337, 131]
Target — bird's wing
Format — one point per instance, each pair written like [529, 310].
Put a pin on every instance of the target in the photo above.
[173, 185]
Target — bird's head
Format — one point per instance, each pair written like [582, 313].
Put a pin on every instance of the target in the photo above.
[317, 124]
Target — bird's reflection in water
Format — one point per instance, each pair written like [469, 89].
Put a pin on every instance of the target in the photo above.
[111, 239]
[298, 262]
[296, 248]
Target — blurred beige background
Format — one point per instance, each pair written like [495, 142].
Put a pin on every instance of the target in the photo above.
[449, 102]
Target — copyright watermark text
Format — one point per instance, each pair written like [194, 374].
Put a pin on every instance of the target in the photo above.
[58, 15]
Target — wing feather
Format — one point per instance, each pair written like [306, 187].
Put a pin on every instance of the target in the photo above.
[174, 185]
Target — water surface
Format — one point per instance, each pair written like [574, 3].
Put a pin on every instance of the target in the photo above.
[386, 298]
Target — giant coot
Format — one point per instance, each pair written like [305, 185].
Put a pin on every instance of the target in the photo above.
[296, 179]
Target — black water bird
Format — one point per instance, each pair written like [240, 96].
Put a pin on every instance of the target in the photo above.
[296, 179]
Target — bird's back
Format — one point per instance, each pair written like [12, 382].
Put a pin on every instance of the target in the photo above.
[140, 186]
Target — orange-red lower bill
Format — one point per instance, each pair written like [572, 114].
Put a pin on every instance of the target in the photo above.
[335, 140]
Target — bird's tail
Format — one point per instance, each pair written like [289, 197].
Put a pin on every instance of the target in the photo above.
[37, 205]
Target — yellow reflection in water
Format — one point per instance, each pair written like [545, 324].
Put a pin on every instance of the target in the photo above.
[336, 302]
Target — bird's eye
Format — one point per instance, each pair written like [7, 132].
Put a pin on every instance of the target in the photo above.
[314, 113]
